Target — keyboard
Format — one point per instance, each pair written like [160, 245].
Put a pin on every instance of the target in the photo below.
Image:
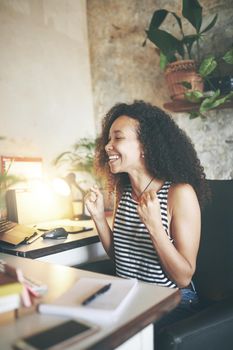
[6, 225]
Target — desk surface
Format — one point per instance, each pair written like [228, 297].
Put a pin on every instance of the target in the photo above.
[148, 304]
[42, 247]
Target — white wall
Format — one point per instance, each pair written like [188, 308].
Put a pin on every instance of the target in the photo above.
[45, 85]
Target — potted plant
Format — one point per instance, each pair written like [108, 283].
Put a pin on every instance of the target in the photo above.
[6, 181]
[176, 54]
[215, 96]
[80, 157]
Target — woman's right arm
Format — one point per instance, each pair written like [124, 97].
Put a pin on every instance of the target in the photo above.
[95, 204]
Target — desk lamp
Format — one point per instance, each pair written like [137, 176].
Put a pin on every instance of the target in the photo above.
[71, 180]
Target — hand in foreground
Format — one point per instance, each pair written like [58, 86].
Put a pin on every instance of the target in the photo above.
[149, 210]
[94, 202]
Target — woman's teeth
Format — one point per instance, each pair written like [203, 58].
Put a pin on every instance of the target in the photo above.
[113, 157]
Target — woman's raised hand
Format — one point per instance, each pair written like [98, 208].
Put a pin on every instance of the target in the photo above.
[149, 210]
[94, 202]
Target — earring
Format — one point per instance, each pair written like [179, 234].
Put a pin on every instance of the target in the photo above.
[142, 155]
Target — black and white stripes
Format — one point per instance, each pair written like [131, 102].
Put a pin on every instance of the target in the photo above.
[135, 256]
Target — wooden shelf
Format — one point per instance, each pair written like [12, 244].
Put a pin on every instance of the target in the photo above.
[181, 106]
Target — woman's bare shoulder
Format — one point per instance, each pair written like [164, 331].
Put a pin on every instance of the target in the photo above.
[181, 188]
[181, 193]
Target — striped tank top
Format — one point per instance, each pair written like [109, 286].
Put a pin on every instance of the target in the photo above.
[135, 255]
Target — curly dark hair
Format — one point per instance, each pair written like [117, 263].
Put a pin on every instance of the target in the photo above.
[169, 153]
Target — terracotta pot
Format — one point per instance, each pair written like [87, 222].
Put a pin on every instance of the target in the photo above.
[182, 71]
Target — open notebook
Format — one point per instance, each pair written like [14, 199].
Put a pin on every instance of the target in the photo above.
[13, 233]
[103, 308]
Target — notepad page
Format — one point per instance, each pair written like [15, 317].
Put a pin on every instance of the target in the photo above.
[109, 304]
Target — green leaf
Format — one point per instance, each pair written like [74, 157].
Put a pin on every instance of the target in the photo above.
[80, 157]
[216, 103]
[186, 84]
[228, 57]
[210, 25]
[63, 157]
[157, 19]
[163, 61]
[194, 96]
[230, 95]
[193, 115]
[158, 37]
[7, 180]
[192, 11]
[210, 102]
[207, 66]
[166, 42]
[190, 39]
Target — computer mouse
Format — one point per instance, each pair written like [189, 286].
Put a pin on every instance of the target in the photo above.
[56, 233]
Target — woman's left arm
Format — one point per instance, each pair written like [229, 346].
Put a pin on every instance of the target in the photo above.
[178, 258]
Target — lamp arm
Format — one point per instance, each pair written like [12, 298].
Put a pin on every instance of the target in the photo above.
[80, 189]
[83, 196]
[71, 179]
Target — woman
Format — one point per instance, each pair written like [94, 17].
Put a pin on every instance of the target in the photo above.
[160, 187]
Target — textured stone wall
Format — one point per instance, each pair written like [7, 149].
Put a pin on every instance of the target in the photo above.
[124, 70]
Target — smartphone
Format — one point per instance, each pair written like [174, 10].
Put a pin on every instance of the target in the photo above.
[77, 229]
[57, 337]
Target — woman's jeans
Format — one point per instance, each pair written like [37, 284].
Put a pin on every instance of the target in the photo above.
[188, 306]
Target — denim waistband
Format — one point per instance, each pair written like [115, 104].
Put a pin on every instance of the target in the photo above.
[191, 287]
[188, 296]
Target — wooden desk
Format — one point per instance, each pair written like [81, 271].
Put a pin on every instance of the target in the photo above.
[76, 249]
[149, 303]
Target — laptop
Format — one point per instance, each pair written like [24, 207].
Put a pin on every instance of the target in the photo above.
[14, 233]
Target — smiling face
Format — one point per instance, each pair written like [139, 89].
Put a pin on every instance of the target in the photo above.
[124, 149]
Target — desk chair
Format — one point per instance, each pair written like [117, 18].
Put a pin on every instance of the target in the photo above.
[212, 327]
[105, 266]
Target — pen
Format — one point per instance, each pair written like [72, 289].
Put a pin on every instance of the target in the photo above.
[93, 296]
